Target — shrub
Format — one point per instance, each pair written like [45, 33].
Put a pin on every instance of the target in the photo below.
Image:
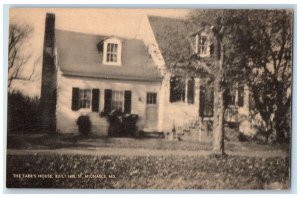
[84, 124]
[121, 124]
[114, 119]
[129, 124]
[23, 115]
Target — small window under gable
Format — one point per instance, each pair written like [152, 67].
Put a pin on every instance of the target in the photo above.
[202, 45]
[112, 48]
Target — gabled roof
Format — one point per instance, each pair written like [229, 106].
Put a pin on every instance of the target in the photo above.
[172, 36]
[78, 56]
[175, 38]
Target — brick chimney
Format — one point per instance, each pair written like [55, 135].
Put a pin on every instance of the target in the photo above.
[48, 88]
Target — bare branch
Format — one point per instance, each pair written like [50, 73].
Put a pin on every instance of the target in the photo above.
[19, 34]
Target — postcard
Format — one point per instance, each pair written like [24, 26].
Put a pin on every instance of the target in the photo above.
[144, 98]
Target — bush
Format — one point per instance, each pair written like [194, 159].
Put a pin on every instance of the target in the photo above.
[129, 124]
[84, 124]
[121, 124]
[23, 113]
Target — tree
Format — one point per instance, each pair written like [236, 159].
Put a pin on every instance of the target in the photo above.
[270, 65]
[242, 42]
[228, 62]
[18, 36]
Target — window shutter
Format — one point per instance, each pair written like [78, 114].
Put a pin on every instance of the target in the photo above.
[206, 102]
[107, 100]
[211, 48]
[241, 95]
[95, 100]
[211, 101]
[127, 102]
[172, 89]
[191, 88]
[75, 99]
[202, 101]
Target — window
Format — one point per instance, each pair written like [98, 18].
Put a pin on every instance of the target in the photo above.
[117, 100]
[84, 98]
[112, 52]
[177, 89]
[203, 45]
[151, 98]
[206, 101]
[229, 97]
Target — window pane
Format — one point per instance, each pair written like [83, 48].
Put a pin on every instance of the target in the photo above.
[116, 48]
[117, 100]
[84, 98]
[203, 45]
[112, 50]
[151, 98]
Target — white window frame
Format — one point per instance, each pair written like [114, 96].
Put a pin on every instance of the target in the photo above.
[151, 100]
[86, 98]
[205, 51]
[117, 96]
[199, 50]
[116, 41]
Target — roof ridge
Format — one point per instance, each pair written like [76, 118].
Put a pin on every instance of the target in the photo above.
[165, 17]
[85, 33]
[93, 34]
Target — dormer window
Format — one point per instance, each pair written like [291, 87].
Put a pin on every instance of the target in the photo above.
[202, 45]
[112, 52]
[112, 48]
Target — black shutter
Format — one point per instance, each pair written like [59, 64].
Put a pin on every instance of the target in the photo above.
[75, 99]
[95, 100]
[127, 102]
[107, 100]
[172, 89]
[211, 101]
[202, 101]
[191, 86]
[211, 48]
[206, 101]
[241, 95]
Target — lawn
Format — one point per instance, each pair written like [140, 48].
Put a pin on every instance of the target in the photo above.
[93, 169]
[58, 141]
[146, 172]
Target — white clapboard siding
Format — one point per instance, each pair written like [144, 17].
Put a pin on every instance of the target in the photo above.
[178, 113]
[66, 118]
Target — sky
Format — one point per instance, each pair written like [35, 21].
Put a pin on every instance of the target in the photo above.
[105, 21]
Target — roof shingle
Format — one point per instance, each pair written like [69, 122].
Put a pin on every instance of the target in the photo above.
[78, 55]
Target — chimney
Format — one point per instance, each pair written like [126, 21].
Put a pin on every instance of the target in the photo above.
[48, 88]
[49, 34]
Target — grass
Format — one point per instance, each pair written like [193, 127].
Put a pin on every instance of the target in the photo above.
[57, 141]
[148, 172]
[143, 172]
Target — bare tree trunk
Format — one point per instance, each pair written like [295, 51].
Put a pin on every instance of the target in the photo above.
[218, 129]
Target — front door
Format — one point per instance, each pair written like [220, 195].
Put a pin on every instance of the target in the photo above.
[151, 111]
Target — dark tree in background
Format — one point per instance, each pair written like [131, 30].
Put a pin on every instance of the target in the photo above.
[270, 68]
[251, 47]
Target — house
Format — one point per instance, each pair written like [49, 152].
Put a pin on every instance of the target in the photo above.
[86, 74]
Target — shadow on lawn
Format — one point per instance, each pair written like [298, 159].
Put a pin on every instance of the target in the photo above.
[57, 141]
[51, 141]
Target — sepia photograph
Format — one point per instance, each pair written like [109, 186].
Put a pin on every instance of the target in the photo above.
[149, 98]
